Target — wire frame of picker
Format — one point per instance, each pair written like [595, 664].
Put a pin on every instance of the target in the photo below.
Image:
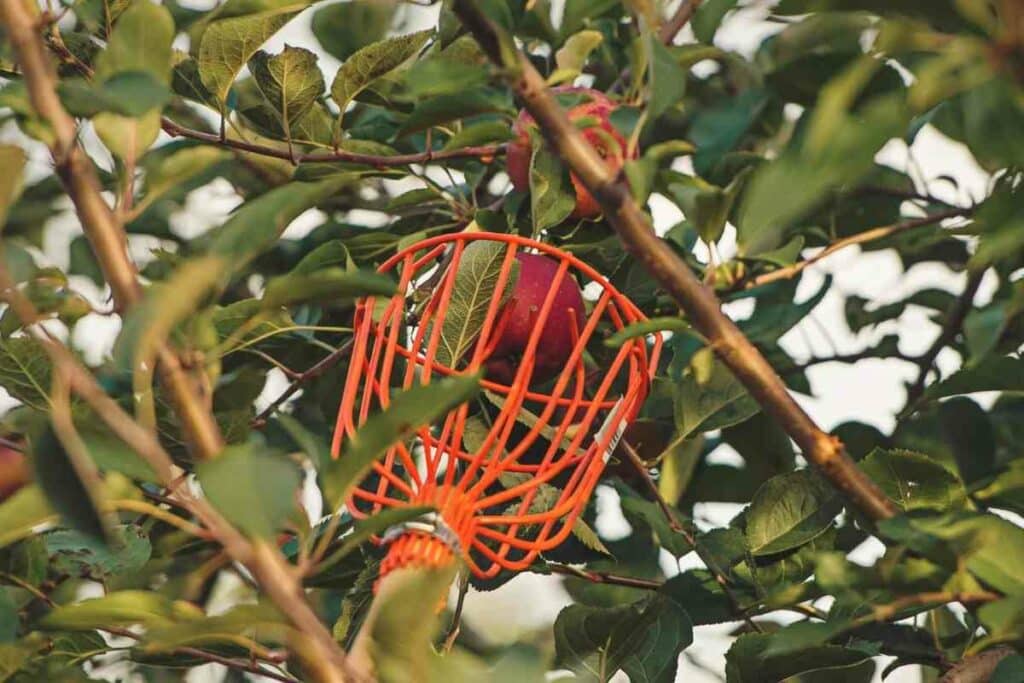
[510, 472]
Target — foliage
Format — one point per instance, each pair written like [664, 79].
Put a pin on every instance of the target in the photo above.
[768, 155]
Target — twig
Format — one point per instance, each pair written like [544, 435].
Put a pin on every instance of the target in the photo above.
[483, 152]
[105, 234]
[701, 306]
[871, 235]
[604, 577]
[720, 576]
[680, 18]
[198, 653]
[315, 371]
[951, 327]
[454, 629]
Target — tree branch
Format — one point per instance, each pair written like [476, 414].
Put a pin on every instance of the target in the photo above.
[321, 655]
[104, 232]
[861, 237]
[313, 372]
[979, 668]
[951, 327]
[701, 306]
[671, 28]
[376, 160]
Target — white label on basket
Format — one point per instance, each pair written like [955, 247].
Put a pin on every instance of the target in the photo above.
[620, 427]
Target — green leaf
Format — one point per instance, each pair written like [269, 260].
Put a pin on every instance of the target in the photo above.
[997, 373]
[164, 306]
[443, 109]
[706, 206]
[666, 79]
[258, 224]
[472, 293]
[140, 41]
[405, 621]
[344, 27]
[12, 160]
[235, 33]
[25, 371]
[572, 56]
[373, 61]
[406, 412]
[788, 511]
[76, 497]
[291, 81]
[76, 554]
[746, 662]
[708, 18]
[23, 513]
[914, 481]
[712, 402]
[254, 487]
[673, 324]
[582, 631]
[552, 197]
[647, 648]
[1008, 670]
[328, 284]
[121, 608]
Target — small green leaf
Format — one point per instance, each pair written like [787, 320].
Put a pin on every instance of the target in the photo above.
[572, 56]
[254, 487]
[78, 501]
[914, 481]
[141, 41]
[789, 510]
[708, 18]
[122, 608]
[25, 371]
[12, 160]
[344, 27]
[643, 328]
[406, 412]
[552, 197]
[373, 61]
[234, 34]
[712, 402]
[291, 81]
[369, 527]
[472, 294]
[23, 513]
[76, 554]
[997, 373]
[327, 284]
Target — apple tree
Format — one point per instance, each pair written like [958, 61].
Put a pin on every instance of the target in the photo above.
[190, 207]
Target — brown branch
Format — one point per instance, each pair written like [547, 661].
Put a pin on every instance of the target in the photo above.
[313, 372]
[954, 321]
[701, 306]
[100, 225]
[483, 152]
[280, 581]
[861, 237]
[604, 577]
[979, 668]
[680, 18]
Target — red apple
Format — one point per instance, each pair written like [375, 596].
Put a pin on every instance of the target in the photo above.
[536, 277]
[14, 472]
[602, 135]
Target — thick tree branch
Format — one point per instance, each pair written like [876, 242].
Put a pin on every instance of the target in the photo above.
[979, 668]
[699, 303]
[99, 223]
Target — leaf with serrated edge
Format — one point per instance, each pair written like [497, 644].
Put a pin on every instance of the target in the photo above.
[472, 292]
[373, 61]
[291, 81]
